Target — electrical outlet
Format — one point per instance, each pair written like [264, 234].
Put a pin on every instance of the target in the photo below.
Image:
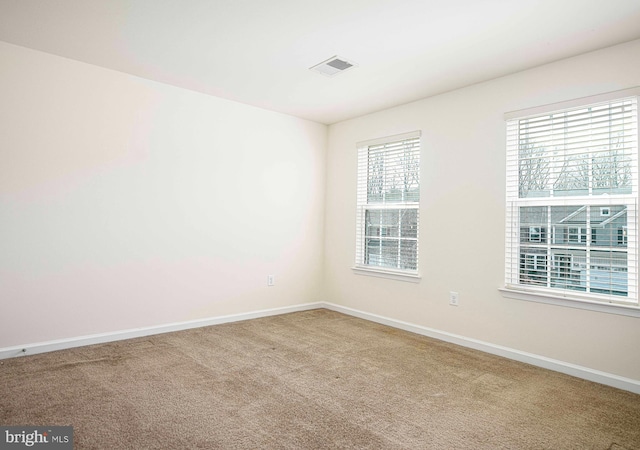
[271, 280]
[454, 298]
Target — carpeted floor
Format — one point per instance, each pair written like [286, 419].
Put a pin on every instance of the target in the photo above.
[309, 380]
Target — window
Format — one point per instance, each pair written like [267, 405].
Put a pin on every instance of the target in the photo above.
[388, 196]
[622, 236]
[574, 171]
[535, 234]
[577, 235]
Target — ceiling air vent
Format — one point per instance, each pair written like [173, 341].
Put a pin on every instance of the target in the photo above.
[333, 66]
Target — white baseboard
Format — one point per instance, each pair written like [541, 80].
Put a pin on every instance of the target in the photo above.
[585, 373]
[61, 344]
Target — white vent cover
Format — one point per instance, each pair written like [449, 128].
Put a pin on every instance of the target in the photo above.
[333, 66]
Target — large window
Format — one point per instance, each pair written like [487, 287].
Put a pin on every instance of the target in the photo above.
[388, 199]
[572, 187]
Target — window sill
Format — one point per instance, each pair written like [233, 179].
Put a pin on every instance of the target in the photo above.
[609, 308]
[388, 274]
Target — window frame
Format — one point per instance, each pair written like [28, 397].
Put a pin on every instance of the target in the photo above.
[366, 209]
[566, 297]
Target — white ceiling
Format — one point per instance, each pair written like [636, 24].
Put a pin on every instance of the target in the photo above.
[259, 51]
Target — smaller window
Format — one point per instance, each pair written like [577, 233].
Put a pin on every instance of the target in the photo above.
[577, 235]
[622, 236]
[535, 234]
[605, 212]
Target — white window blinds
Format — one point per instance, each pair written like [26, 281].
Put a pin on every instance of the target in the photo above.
[572, 186]
[388, 196]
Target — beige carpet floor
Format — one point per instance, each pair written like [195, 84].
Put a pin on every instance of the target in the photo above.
[309, 380]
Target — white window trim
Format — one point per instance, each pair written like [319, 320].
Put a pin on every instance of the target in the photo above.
[573, 103]
[386, 272]
[558, 300]
[561, 298]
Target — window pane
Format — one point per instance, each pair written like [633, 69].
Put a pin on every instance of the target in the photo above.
[563, 271]
[409, 255]
[382, 223]
[587, 247]
[389, 253]
[389, 220]
[373, 223]
[391, 238]
[608, 272]
[391, 223]
[533, 267]
[611, 172]
[393, 172]
[383, 253]
[534, 174]
[533, 224]
[586, 151]
[609, 230]
[375, 177]
[572, 175]
[569, 225]
[567, 269]
[372, 252]
[409, 223]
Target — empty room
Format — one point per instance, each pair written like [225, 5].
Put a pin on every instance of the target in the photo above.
[299, 224]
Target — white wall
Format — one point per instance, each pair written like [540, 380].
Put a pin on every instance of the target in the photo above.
[463, 214]
[126, 203]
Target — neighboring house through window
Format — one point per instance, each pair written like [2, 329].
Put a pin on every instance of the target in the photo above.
[388, 196]
[574, 172]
